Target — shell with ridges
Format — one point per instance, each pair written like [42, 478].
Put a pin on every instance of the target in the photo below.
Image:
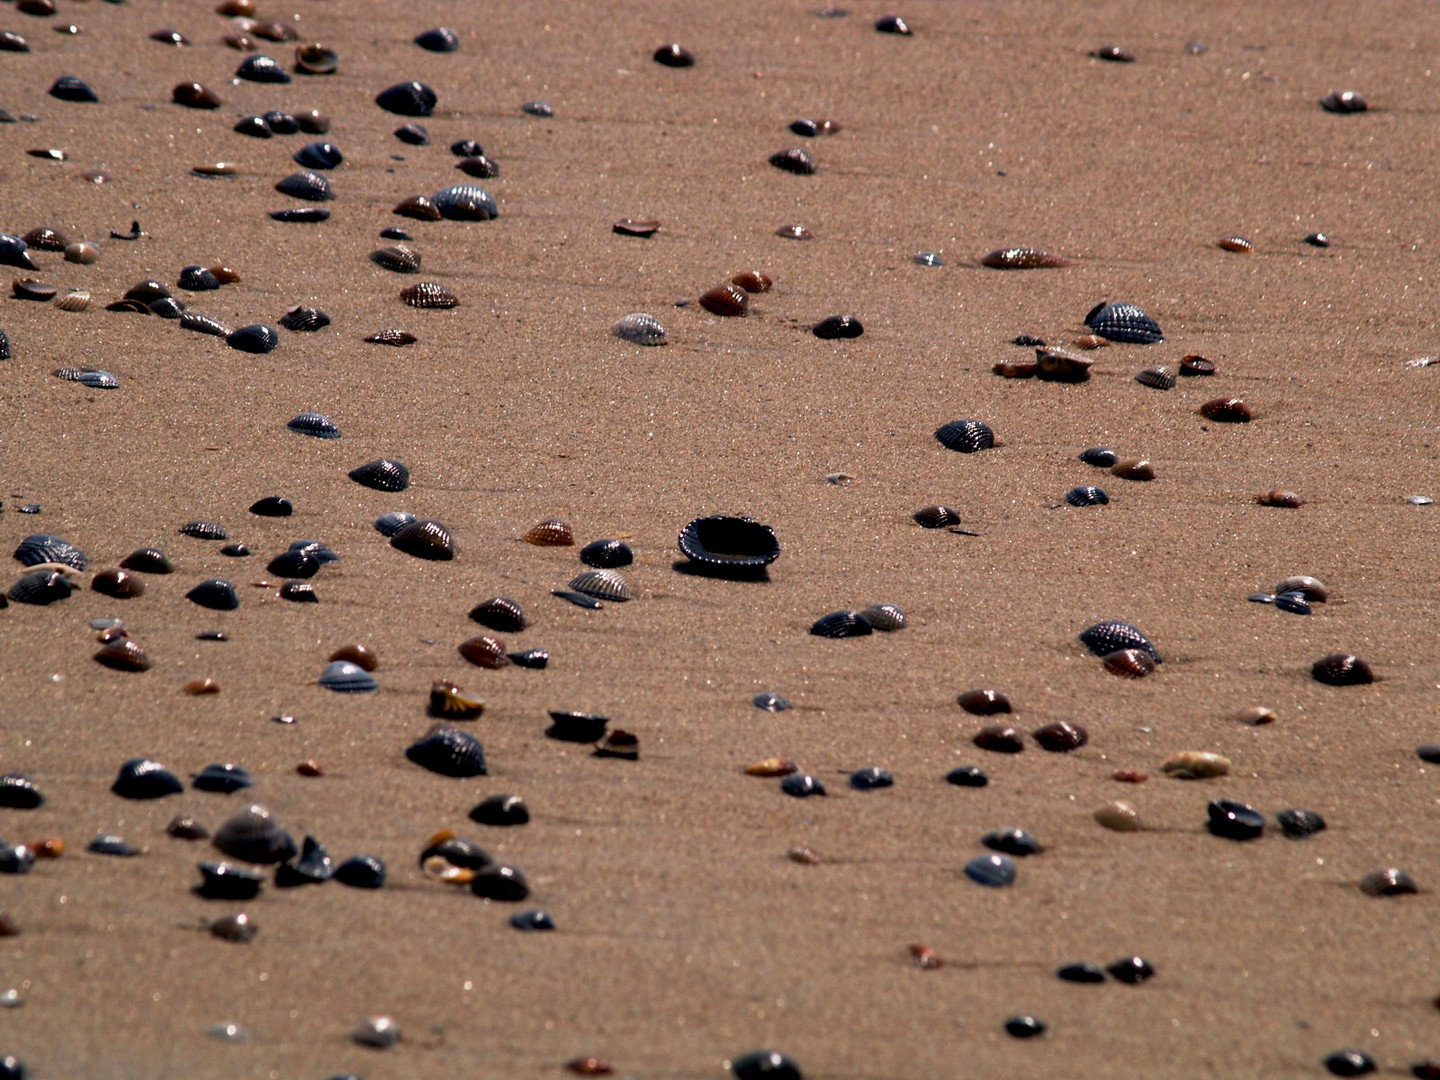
[602, 584]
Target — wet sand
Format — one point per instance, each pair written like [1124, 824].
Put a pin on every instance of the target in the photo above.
[686, 936]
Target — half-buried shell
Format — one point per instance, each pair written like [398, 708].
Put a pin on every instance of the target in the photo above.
[425, 539]
[1124, 322]
[449, 752]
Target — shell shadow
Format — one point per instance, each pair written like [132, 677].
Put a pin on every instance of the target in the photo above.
[728, 573]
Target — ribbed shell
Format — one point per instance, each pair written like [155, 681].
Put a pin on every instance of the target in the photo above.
[936, 517]
[148, 561]
[347, 677]
[204, 530]
[448, 701]
[550, 533]
[479, 166]
[425, 539]
[576, 727]
[884, 617]
[429, 294]
[74, 300]
[485, 651]
[303, 319]
[1100, 456]
[1129, 663]
[841, 624]
[391, 523]
[123, 655]
[382, 474]
[418, 207]
[1159, 377]
[1107, 637]
[145, 778]
[310, 186]
[966, 436]
[316, 425]
[602, 584]
[216, 594]
[41, 587]
[253, 835]
[40, 548]
[261, 69]
[399, 258]
[640, 329]
[407, 99]
[255, 338]
[203, 324]
[318, 155]
[795, 160]
[1124, 322]
[393, 337]
[1086, 495]
[607, 554]
[465, 202]
[727, 300]
[449, 752]
[723, 543]
[500, 613]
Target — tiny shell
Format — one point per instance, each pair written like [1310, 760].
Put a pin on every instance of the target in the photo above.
[302, 319]
[618, 743]
[1234, 820]
[484, 651]
[892, 24]
[603, 585]
[379, 1032]
[999, 739]
[216, 594]
[200, 687]
[429, 294]
[1118, 816]
[551, 532]
[1256, 715]
[1279, 497]
[640, 329]
[1015, 369]
[1129, 776]
[1104, 638]
[1133, 469]
[634, 227]
[984, 702]
[316, 425]
[1114, 54]
[772, 766]
[727, 300]
[41, 587]
[1227, 410]
[837, 327]
[1158, 377]
[479, 166]
[1236, 244]
[316, 59]
[794, 232]
[148, 561]
[673, 56]
[1100, 456]
[439, 40]
[83, 252]
[935, 517]
[576, 727]
[1195, 765]
[1023, 258]
[448, 702]
[1089, 342]
[256, 338]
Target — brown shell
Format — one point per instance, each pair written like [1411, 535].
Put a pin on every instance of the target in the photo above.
[1089, 342]
[121, 584]
[794, 232]
[1279, 497]
[1129, 663]
[224, 274]
[429, 294]
[1195, 364]
[1129, 776]
[1061, 365]
[550, 533]
[198, 687]
[392, 337]
[1227, 410]
[45, 239]
[1000, 738]
[74, 300]
[1158, 377]
[1133, 469]
[1195, 765]
[310, 767]
[1016, 369]
[1060, 737]
[617, 743]
[232, 8]
[753, 281]
[1235, 243]
[984, 702]
[728, 300]
[1023, 258]
[194, 96]
[360, 655]
[418, 207]
[485, 651]
[926, 957]
[634, 227]
[772, 766]
[1256, 715]
[124, 655]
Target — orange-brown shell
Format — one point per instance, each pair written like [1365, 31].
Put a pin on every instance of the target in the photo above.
[727, 300]
[551, 532]
[1279, 497]
[753, 281]
[485, 651]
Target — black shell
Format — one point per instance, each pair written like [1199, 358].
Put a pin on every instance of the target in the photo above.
[425, 539]
[70, 88]
[148, 561]
[449, 752]
[842, 624]
[143, 778]
[307, 185]
[1299, 824]
[413, 134]
[282, 123]
[253, 834]
[727, 546]
[255, 126]
[1342, 669]
[892, 24]
[802, 785]
[391, 523]
[467, 148]
[13, 252]
[295, 563]
[1081, 973]
[501, 810]
[198, 279]
[1234, 820]
[1158, 377]
[500, 613]
[1131, 970]
[537, 108]
[1124, 322]
[504, 883]
[407, 99]
[204, 530]
[458, 851]
[316, 425]
[40, 548]
[465, 202]
[967, 776]
[302, 214]
[966, 436]
[319, 155]
[794, 160]
[1100, 456]
[479, 166]
[222, 779]
[534, 659]
[673, 55]
[361, 872]
[228, 881]
[4, 346]
[438, 40]
[1086, 495]
[119, 584]
[255, 338]
[13, 42]
[235, 551]
[216, 594]
[397, 338]
[871, 779]
[1107, 637]
[400, 259]
[382, 474]
[534, 919]
[936, 517]
[112, 844]
[302, 319]
[838, 326]
[1337, 101]
[19, 792]
[261, 69]
[313, 867]
[607, 554]
[41, 587]
[576, 727]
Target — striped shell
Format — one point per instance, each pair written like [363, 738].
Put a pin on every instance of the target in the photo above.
[1023, 258]
[1124, 322]
[429, 294]
[398, 258]
[1158, 377]
[936, 517]
[884, 617]
[303, 319]
[602, 584]
[307, 185]
[1129, 663]
[382, 474]
[448, 701]
[1236, 244]
[40, 548]
[1104, 638]
[500, 613]
[1086, 495]
[841, 624]
[204, 530]
[425, 540]
[1100, 456]
[465, 202]
[794, 160]
[449, 752]
[316, 425]
[203, 324]
[551, 532]
[1311, 588]
[397, 338]
[123, 655]
[347, 677]
[41, 587]
[640, 329]
[74, 300]
[485, 651]
[966, 436]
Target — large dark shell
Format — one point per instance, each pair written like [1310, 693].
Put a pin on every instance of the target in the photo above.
[40, 548]
[834, 327]
[253, 835]
[1299, 824]
[1124, 322]
[1100, 456]
[465, 202]
[726, 546]
[41, 587]
[198, 279]
[966, 436]
[407, 99]
[255, 338]
[319, 155]
[19, 792]
[936, 517]
[425, 539]
[382, 474]
[984, 702]
[576, 727]
[216, 594]
[500, 613]
[842, 624]
[1060, 737]
[307, 185]
[148, 561]
[794, 160]
[1342, 669]
[143, 778]
[1086, 495]
[295, 563]
[1107, 637]
[1389, 882]
[70, 88]
[607, 554]
[438, 40]
[305, 319]
[429, 294]
[1227, 410]
[261, 69]
[418, 207]
[449, 752]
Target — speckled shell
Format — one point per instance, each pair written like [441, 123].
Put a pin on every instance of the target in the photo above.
[204, 530]
[640, 329]
[966, 436]
[1124, 322]
[382, 474]
[1342, 669]
[1023, 258]
[1107, 637]
[603, 585]
[449, 752]
[40, 548]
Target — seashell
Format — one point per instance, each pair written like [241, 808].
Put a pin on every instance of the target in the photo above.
[1337, 101]
[148, 561]
[871, 779]
[307, 185]
[281, 123]
[200, 687]
[228, 881]
[1348, 1063]
[183, 827]
[966, 436]
[301, 592]
[400, 259]
[535, 659]
[967, 776]
[361, 872]
[1014, 842]
[992, 871]
[45, 239]
[1131, 970]
[841, 624]
[312, 122]
[1023, 258]
[640, 329]
[425, 540]
[144, 778]
[484, 651]
[13, 42]
[1195, 765]
[198, 279]
[1234, 820]
[429, 294]
[619, 744]
[802, 786]
[167, 308]
[1100, 456]
[1060, 737]
[123, 655]
[674, 56]
[19, 792]
[1299, 824]
[1317, 239]
[319, 155]
[253, 835]
[1107, 637]
[794, 232]
[449, 752]
[313, 867]
[504, 883]
[1114, 54]
[607, 554]
[767, 1064]
[261, 69]
[1129, 663]
[40, 548]
[274, 30]
[893, 24]
[1226, 411]
[16, 859]
[834, 327]
[454, 851]
[479, 166]
[726, 546]
[1133, 469]
[884, 617]
[1236, 244]
[41, 587]
[1280, 497]
[392, 337]
[302, 319]
[316, 425]
[1256, 715]
[257, 127]
[204, 530]
[576, 727]
[29, 289]
[1086, 495]
[465, 202]
[13, 252]
[193, 95]
[4, 346]
[984, 702]
[1081, 973]
[770, 702]
[216, 594]
[602, 585]
[935, 517]
[255, 338]
[448, 702]
[302, 214]
[929, 258]
[382, 474]
[771, 767]
[418, 207]
[216, 168]
[1124, 322]
[550, 533]
[1342, 669]
[753, 281]
[391, 523]
[579, 599]
[1391, 882]
[169, 37]
[316, 59]
[359, 655]
[1054, 364]
[222, 779]
[347, 677]
[534, 919]
[1000, 739]
[83, 253]
[238, 928]
[1310, 588]
[438, 40]
[70, 88]
[726, 300]
[634, 227]
[412, 134]
[537, 108]
[500, 613]
[501, 810]
[1158, 377]
[1118, 816]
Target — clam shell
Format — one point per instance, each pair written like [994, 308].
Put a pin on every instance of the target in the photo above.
[500, 613]
[1129, 663]
[1226, 410]
[261, 69]
[1193, 365]
[607, 554]
[41, 587]
[448, 702]
[222, 779]
[29, 289]
[579, 599]
[1309, 587]
[253, 835]
[82, 252]
[316, 59]
[19, 792]
[1280, 497]
[307, 185]
[835, 327]
[984, 702]
[418, 207]
[1299, 824]
[361, 872]
[13, 252]
[316, 425]
[640, 329]
[1234, 820]
[412, 134]
[479, 166]
[45, 238]
[576, 727]
[40, 548]
[438, 40]
[359, 655]
[753, 281]
[71, 88]
[1100, 456]
[382, 474]
[399, 258]
[392, 337]
[802, 786]
[841, 624]
[198, 279]
[302, 214]
[391, 523]
[794, 160]
[1060, 737]
[1158, 377]
[551, 532]
[318, 155]
[257, 127]
[449, 752]
[1054, 364]
[634, 227]
[992, 871]
[1023, 258]
[936, 517]
[503, 883]
[1341, 101]
[304, 319]
[74, 300]
[1133, 469]
[1107, 637]
[535, 659]
[603, 585]
[1389, 882]
[465, 202]
[1086, 495]
[300, 592]
[148, 561]
[429, 294]
[228, 881]
[407, 99]
[347, 677]
[255, 338]
[425, 540]
[884, 617]
[1124, 322]
[1195, 765]
[1236, 244]
[727, 300]
[674, 56]
[725, 545]
[1342, 669]
[966, 436]
[216, 594]
[484, 651]
[145, 778]
[1118, 816]
[123, 655]
[204, 530]
[501, 810]
[770, 702]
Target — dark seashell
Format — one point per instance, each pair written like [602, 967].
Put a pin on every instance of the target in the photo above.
[501, 810]
[254, 126]
[1124, 322]
[465, 148]
[537, 108]
[1061, 365]
[794, 232]
[1318, 239]
[1390, 882]
[253, 835]
[1299, 824]
[500, 613]
[465, 202]
[1061, 736]
[885, 618]
[222, 779]
[999, 739]
[148, 561]
[633, 227]
[302, 214]
[216, 594]
[16, 859]
[727, 300]
[112, 844]
[198, 279]
[397, 338]
[294, 564]
[425, 540]
[319, 155]
[801, 786]
[1349, 1063]
[391, 523]
[204, 530]
[603, 585]
[1227, 411]
[1429, 752]
[1015, 842]
[753, 281]
[169, 37]
[316, 59]
[497, 882]
[1131, 970]
[4, 346]
[1157, 378]
[274, 30]
[1337, 101]
[893, 24]
[871, 778]
[167, 308]
[764, 1065]
[192, 95]
[19, 792]
[1023, 258]
[347, 677]
[984, 702]
[272, 506]
[1086, 495]
[770, 702]
[794, 160]
[429, 294]
[841, 624]
[33, 290]
[1107, 637]
[1100, 456]
[310, 186]
[1129, 663]
[1234, 820]
[967, 776]
[837, 326]
[282, 123]
[1281, 498]
[302, 319]
[606, 554]
[449, 752]
[576, 727]
[316, 550]
[727, 546]
[479, 166]
[13, 252]
[579, 599]
[438, 40]
[361, 872]
[235, 551]
[674, 56]
[551, 532]
[255, 338]
[619, 744]
[1294, 603]
[40, 548]
[966, 436]
[485, 652]
[314, 867]
[142, 778]
[261, 69]
[1342, 669]
[1024, 1027]
[418, 207]
[13, 42]
[382, 474]
[1114, 54]
[1081, 973]
[70, 88]
[400, 259]
[936, 517]
[534, 919]
[992, 871]
[228, 881]
[1134, 469]
[457, 851]
[534, 659]
[123, 655]
[41, 587]
[412, 134]
[45, 239]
